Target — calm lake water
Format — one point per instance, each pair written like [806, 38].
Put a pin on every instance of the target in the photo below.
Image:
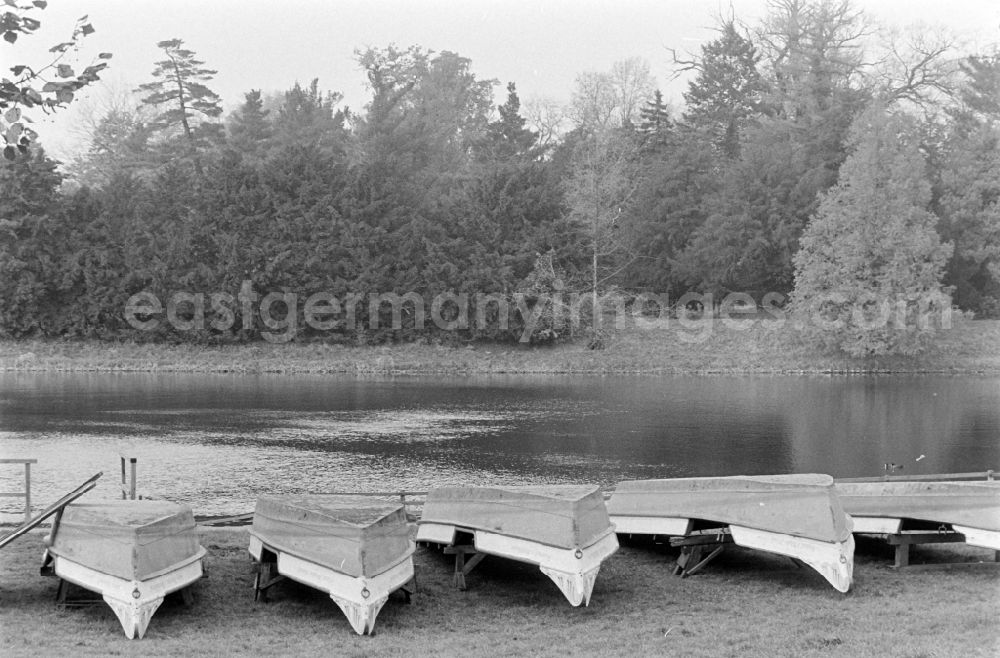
[216, 442]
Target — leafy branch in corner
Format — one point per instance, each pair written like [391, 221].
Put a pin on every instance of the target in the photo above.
[49, 87]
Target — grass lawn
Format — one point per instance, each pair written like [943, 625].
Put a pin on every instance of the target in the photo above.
[967, 347]
[746, 603]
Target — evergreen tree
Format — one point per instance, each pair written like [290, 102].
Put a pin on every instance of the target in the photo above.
[868, 274]
[969, 209]
[968, 188]
[249, 127]
[727, 91]
[308, 117]
[670, 205]
[654, 117]
[180, 92]
[30, 251]
[508, 135]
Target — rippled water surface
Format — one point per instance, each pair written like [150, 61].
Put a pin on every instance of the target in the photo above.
[215, 442]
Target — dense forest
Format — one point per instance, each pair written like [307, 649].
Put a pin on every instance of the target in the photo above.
[807, 153]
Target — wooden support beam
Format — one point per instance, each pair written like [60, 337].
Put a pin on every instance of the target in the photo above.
[409, 588]
[462, 568]
[702, 539]
[904, 540]
[266, 577]
[908, 538]
[711, 556]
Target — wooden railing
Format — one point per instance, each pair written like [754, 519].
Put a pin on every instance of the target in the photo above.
[26, 494]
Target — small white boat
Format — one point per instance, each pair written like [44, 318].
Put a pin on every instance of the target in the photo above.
[131, 552]
[795, 515]
[356, 549]
[970, 508]
[564, 529]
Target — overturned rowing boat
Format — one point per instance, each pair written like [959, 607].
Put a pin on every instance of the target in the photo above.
[131, 552]
[355, 549]
[969, 508]
[564, 529]
[795, 515]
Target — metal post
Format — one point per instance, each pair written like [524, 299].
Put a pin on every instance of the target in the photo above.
[27, 491]
[131, 489]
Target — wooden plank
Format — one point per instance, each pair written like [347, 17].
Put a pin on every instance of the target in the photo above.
[234, 520]
[51, 509]
[911, 538]
[703, 538]
[946, 566]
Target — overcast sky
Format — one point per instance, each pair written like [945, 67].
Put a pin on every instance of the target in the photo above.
[541, 45]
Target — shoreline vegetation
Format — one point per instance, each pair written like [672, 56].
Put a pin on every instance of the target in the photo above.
[967, 347]
[746, 603]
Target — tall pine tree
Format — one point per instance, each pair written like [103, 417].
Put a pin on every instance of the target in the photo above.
[179, 90]
[728, 89]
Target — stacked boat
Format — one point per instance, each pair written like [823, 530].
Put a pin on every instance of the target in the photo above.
[357, 550]
[564, 529]
[795, 515]
[131, 552]
[970, 508]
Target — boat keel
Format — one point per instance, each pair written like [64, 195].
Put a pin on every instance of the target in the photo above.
[134, 614]
[360, 615]
[576, 587]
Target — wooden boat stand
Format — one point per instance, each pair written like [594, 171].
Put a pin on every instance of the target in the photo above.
[915, 534]
[694, 545]
[266, 576]
[463, 567]
[83, 598]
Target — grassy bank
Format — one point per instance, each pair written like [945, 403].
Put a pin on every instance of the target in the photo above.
[745, 604]
[968, 347]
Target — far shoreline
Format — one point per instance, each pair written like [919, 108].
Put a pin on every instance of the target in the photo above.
[967, 348]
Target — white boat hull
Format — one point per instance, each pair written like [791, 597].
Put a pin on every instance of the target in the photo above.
[833, 560]
[979, 537]
[133, 601]
[360, 598]
[574, 571]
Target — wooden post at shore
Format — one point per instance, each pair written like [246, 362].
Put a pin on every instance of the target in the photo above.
[26, 494]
